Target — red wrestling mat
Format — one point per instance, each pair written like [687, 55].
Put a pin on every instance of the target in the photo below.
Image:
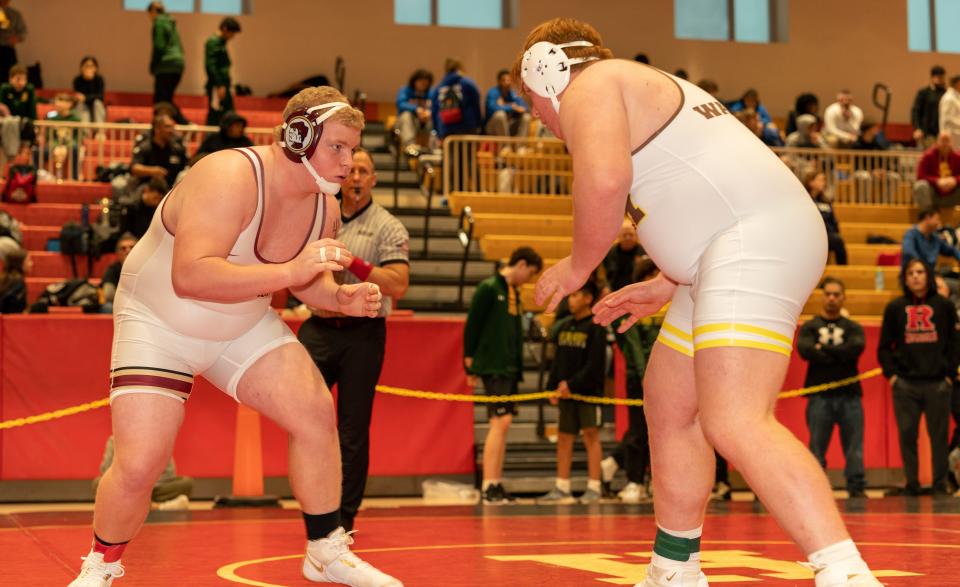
[516, 546]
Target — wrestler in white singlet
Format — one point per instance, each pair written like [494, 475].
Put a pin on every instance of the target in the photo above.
[737, 232]
[162, 340]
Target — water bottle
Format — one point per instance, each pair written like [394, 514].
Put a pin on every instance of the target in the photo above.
[434, 142]
[878, 280]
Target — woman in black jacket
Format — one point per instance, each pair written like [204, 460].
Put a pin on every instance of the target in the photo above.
[89, 89]
[816, 184]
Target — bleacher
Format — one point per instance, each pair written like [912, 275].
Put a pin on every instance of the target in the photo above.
[509, 209]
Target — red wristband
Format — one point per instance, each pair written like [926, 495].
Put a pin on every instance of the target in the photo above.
[360, 268]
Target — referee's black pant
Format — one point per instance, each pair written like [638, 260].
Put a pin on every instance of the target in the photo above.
[349, 352]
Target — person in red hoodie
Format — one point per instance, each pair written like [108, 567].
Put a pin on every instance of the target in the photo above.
[938, 175]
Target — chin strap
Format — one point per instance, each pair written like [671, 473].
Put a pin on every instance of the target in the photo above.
[326, 187]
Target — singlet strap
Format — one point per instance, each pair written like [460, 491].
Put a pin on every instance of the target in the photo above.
[258, 173]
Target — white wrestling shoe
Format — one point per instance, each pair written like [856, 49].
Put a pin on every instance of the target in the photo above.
[660, 577]
[96, 573]
[329, 560]
[824, 577]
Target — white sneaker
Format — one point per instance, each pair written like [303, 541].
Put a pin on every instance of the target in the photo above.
[660, 577]
[953, 460]
[180, 502]
[608, 468]
[329, 560]
[633, 493]
[842, 577]
[96, 573]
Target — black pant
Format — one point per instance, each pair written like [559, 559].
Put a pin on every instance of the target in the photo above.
[910, 400]
[165, 85]
[349, 353]
[226, 105]
[838, 247]
[633, 452]
[8, 58]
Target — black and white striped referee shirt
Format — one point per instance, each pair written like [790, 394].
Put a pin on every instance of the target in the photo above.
[377, 237]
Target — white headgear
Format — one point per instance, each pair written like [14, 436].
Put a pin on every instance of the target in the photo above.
[300, 135]
[546, 68]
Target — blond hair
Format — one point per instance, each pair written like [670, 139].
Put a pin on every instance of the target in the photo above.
[559, 31]
[309, 97]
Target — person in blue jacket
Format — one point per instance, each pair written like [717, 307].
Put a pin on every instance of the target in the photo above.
[455, 102]
[414, 115]
[507, 114]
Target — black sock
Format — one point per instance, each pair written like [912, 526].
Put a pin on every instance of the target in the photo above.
[321, 525]
[105, 543]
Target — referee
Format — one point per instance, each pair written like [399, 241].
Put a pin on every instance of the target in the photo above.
[349, 351]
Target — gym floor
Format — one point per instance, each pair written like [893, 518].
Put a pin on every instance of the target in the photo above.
[910, 541]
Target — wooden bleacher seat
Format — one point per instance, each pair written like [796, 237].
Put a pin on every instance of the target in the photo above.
[503, 203]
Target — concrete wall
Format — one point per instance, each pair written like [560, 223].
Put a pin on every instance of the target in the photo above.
[830, 45]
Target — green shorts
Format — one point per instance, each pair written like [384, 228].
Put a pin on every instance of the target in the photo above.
[575, 416]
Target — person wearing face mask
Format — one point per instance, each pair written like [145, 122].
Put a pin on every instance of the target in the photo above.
[349, 351]
[925, 114]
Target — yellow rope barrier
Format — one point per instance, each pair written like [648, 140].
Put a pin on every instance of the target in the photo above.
[456, 397]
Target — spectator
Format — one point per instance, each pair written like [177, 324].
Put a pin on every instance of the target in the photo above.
[816, 183]
[765, 132]
[89, 91]
[135, 218]
[171, 492]
[633, 452]
[806, 135]
[833, 344]
[414, 114]
[709, 86]
[232, 135]
[507, 114]
[925, 114]
[18, 96]
[160, 153]
[13, 286]
[642, 58]
[805, 104]
[349, 352]
[166, 61]
[62, 142]
[751, 101]
[493, 352]
[938, 173]
[682, 74]
[922, 242]
[217, 63]
[455, 102]
[111, 276]
[841, 121]
[578, 367]
[919, 351]
[871, 137]
[949, 110]
[13, 30]
[953, 457]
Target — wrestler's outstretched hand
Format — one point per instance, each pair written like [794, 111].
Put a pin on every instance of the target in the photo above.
[359, 299]
[638, 301]
[326, 254]
[557, 282]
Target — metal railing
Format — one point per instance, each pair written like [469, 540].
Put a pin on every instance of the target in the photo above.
[74, 150]
[427, 180]
[506, 164]
[543, 166]
[465, 236]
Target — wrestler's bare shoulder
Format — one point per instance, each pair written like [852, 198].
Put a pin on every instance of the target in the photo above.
[224, 179]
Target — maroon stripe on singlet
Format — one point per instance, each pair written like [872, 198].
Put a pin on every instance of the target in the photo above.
[263, 212]
[150, 381]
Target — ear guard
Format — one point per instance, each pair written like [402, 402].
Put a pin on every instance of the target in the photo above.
[545, 68]
[300, 135]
